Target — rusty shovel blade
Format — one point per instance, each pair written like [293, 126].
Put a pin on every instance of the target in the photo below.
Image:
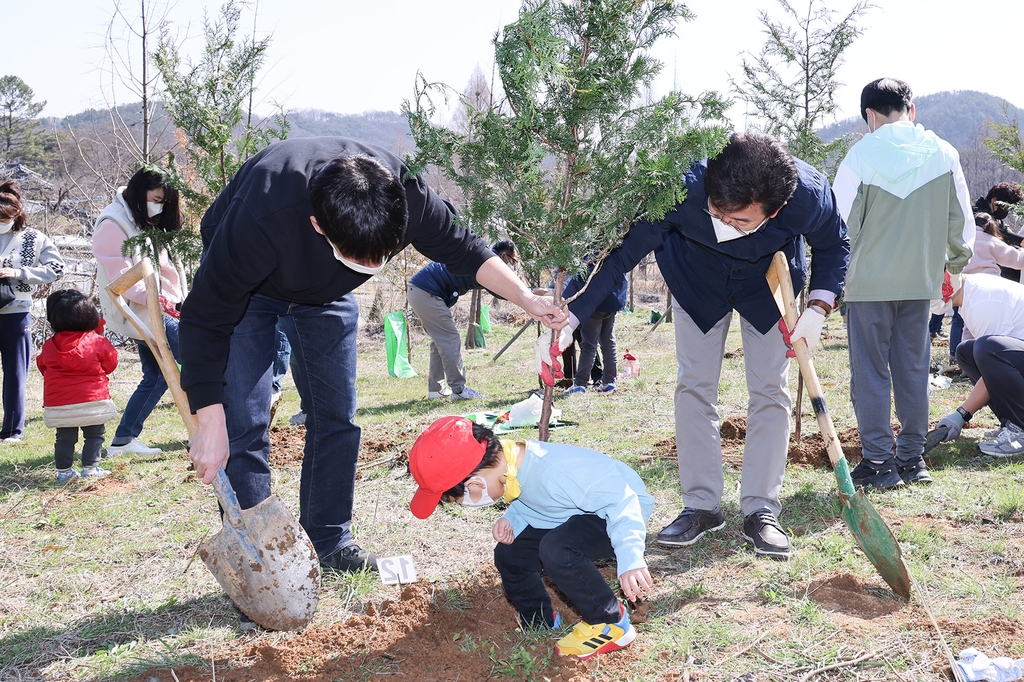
[264, 561]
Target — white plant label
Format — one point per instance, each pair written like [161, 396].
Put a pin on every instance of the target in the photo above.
[397, 570]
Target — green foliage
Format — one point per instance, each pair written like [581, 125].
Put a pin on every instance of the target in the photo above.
[1006, 144]
[791, 83]
[22, 138]
[210, 101]
[572, 155]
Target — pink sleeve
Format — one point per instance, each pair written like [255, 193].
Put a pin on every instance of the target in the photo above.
[106, 246]
[1008, 256]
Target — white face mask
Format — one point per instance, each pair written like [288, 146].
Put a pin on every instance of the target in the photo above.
[6, 227]
[483, 499]
[725, 233]
[154, 209]
[355, 267]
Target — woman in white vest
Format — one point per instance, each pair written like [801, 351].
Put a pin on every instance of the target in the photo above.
[27, 259]
[148, 202]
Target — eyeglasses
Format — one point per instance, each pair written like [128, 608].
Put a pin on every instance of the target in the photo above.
[731, 222]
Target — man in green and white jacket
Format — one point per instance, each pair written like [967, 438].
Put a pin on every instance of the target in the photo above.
[907, 208]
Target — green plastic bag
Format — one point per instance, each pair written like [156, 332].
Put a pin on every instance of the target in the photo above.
[394, 341]
[477, 333]
[485, 318]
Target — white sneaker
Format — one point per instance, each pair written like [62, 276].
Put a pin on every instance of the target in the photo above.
[132, 447]
[298, 419]
[443, 392]
[95, 471]
[467, 394]
[1008, 443]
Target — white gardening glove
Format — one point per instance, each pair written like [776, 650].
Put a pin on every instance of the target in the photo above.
[547, 356]
[808, 327]
[976, 667]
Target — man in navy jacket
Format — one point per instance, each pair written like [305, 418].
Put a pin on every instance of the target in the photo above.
[300, 225]
[714, 250]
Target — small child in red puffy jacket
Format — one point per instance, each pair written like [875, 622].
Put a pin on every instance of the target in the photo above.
[75, 363]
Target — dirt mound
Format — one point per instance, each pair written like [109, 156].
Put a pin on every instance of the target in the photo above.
[430, 632]
[810, 450]
[848, 594]
[287, 443]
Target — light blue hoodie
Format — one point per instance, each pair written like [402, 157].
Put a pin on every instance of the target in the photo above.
[560, 481]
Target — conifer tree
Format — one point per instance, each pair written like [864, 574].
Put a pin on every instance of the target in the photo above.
[791, 83]
[572, 155]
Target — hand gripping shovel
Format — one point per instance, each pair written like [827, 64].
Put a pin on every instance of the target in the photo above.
[867, 526]
[261, 557]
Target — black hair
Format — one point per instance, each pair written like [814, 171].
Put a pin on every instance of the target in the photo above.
[134, 194]
[1004, 193]
[506, 246]
[885, 95]
[10, 205]
[753, 168]
[492, 455]
[987, 223]
[360, 207]
[68, 310]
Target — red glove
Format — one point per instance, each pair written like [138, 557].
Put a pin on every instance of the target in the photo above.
[547, 355]
[790, 353]
[169, 308]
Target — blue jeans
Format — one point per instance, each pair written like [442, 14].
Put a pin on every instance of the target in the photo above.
[323, 341]
[150, 389]
[15, 352]
[282, 355]
[956, 334]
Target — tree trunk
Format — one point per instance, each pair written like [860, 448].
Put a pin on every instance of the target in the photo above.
[544, 427]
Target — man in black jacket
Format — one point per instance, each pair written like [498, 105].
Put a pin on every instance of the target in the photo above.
[301, 225]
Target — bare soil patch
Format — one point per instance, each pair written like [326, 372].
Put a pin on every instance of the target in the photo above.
[463, 630]
[287, 443]
[848, 594]
[809, 451]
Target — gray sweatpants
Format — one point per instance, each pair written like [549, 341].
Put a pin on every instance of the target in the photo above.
[890, 352]
[445, 342]
[698, 441]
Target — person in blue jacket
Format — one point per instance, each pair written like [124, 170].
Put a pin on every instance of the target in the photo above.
[433, 291]
[714, 250]
[567, 508]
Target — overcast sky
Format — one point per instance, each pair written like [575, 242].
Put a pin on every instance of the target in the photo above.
[350, 56]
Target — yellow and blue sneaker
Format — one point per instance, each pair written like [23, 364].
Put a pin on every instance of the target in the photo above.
[585, 640]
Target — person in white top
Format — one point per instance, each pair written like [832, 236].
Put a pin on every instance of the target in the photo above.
[148, 202]
[993, 310]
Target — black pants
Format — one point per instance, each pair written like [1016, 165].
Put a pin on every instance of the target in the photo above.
[67, 438]
[567, 553]
[999, 360]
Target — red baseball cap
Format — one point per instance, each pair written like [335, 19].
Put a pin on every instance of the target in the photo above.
[444, 455]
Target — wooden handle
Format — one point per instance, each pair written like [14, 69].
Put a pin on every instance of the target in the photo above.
[781, 285]
[153, 333]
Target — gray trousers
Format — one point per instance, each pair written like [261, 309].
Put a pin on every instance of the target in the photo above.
[445, 342]
[890, 353]
[698, 441]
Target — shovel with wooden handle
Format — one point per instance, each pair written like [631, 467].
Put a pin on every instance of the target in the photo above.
[867, 526]
[262, 557]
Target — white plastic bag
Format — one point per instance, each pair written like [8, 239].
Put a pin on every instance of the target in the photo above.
[527, 412]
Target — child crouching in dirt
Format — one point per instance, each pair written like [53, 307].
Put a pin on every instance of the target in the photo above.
[75, 363]
[568, 507]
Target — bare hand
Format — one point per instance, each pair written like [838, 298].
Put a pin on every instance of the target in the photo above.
[502, 531]
[208, 446]
[543, 309]
[636, 584]
[10, 273]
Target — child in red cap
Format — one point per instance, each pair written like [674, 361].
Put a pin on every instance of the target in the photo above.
[568, 507]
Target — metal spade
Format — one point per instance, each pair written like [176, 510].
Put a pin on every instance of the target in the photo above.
[867, 526]
[262, 557]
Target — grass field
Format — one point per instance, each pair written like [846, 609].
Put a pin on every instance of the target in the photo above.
[98, 579]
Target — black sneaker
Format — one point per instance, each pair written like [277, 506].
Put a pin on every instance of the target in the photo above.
[877, 476]
[690, 526]
[913, 472]
[763, 531]
[351, 558]
[245, 623]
